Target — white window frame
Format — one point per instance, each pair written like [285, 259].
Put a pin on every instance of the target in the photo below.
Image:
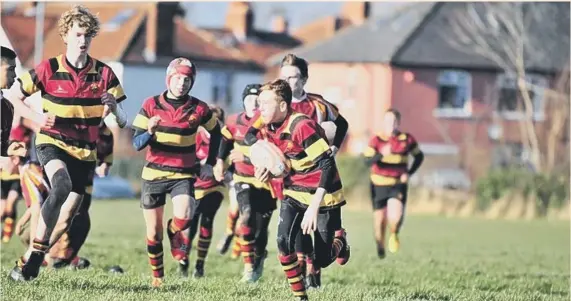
[439, 149]
[460, 79]
[536, 82]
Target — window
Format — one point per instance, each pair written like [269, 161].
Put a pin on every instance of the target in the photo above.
[454, 94]
[510, 103]
[221, 93]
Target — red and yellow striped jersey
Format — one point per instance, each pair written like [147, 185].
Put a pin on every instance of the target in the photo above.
[172, 150]
[388, 170]
[316, 108]
[202, 147]
[75, 99]
[303, 142]
[235, 130]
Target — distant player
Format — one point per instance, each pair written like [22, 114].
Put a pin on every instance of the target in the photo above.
[79, 91]
[313, 190]
[209, 194]
[255, 198]
[168, 124]
[387, 154]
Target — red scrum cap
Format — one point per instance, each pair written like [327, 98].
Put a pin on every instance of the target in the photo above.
[181, 66]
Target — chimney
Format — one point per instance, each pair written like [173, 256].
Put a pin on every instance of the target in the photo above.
[160, 29]
[356, 12]
[240, 19]
[279, 24]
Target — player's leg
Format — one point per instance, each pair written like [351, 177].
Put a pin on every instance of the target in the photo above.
[58, 209]
[184, 206]
[231, 219]
[191, 234]
[212, 202]
[330, 242]
[289, 224]
[10, 210]
[265, 204]
[395, 215]
[247, 229]
[153, 199]
[73, 239]
[379, 204]
[34, 190]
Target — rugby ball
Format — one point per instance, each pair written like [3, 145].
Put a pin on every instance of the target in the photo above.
[264, 154]
[330, 128]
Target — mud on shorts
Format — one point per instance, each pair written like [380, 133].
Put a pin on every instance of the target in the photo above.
[78, 170]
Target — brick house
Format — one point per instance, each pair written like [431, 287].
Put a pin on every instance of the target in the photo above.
[450, 100]
[138, 41]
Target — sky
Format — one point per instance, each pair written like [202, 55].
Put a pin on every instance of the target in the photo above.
[212, 14]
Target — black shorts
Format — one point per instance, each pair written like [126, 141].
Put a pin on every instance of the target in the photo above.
[380, 195]
[78, 170]
[253, 199]
[328, 221]
[8, 185]
[154, 193]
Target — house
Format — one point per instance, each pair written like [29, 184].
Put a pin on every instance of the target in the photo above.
[138, 41]
[455, 103]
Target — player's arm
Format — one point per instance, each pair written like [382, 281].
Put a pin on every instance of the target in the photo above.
[26, 85]
[342, 126]
[227, 143]
[210, 123]
[141, 136]
[116, 90]
[252, 133]
[371, 155]
[418, 156]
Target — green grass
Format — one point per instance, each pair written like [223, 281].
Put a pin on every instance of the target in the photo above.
[440, 259]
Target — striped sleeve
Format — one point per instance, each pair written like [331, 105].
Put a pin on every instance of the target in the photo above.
[371, 149]
[413, 145]
[114, 87]
[208, 120]
[306, 134]
[141, 121]
[31, 81]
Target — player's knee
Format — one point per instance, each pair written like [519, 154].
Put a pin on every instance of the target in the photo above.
[61, 186]
[205, 231]
[284, 246]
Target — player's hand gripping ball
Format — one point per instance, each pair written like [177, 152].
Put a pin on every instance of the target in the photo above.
[264, 154]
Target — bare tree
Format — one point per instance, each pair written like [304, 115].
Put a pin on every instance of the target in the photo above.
[512, 36]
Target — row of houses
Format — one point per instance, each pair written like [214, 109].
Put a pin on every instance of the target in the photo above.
[363, 64]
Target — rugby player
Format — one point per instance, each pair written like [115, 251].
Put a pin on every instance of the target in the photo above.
[255, 198]
[35, 188]
[9, 177]
[294, 70]
[313, 194]
[79, 91]
[387, 155]
[168, 124]
[209, 194]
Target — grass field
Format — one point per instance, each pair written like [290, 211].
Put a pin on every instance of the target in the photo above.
[440, 259]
